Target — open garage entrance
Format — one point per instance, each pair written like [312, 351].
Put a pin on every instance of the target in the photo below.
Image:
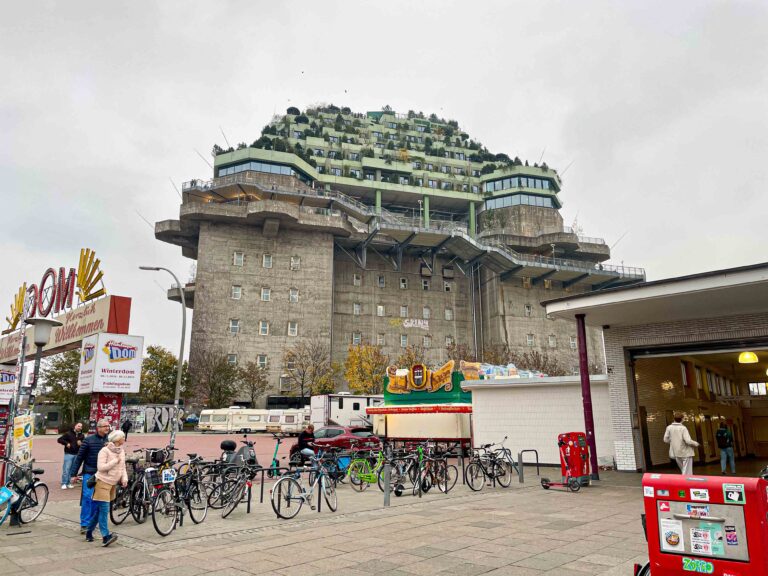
[709, 386]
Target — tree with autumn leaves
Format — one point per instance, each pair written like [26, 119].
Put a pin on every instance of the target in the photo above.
[365, 368]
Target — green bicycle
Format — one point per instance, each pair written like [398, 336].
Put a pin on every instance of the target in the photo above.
[362, 472]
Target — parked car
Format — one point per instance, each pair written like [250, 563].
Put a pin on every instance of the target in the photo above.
[192, 419]
[345, 436]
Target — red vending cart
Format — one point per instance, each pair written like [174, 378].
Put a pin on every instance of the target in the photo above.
[573, 448]
[706, 524]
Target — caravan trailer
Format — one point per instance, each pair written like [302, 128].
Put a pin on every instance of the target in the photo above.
[287, 421]
[233, 419]
[343, 409]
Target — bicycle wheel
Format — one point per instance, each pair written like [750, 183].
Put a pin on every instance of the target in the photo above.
[237, 495]
[139, 503]
[356, 469]
[447, 478]
[220, 494]
[503, 473]
[33, 503]
[164, 512]
[474, 476]
[119, 508]
[197, 503]
[329, 493]
[424, 480]
[287, 497]
[396, 475]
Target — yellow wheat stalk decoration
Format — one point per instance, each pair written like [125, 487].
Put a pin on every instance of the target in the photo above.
[17, 307]
[88, 276]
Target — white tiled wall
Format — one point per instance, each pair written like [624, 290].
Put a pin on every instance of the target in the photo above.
[533, 416]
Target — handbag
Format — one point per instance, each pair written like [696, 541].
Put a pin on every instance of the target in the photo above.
[91, 482]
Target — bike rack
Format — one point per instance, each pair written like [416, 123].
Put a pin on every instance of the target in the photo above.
[521, 464]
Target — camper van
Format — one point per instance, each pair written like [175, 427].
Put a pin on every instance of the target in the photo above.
[343, 409]
[233, 419]
[288, 421]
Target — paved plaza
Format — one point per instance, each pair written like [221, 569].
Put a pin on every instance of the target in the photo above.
[516, 531]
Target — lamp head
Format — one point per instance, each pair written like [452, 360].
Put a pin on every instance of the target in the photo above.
[153, 268]
[43, 327]
[748, 358]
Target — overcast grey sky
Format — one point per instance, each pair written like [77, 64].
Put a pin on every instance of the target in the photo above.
[662, 107]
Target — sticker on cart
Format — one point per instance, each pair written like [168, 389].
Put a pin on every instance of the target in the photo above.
[664, 493]
[655, 476]
[648, 491]
[716, 537]
[700, 494]
[701, 541]
[697, 510]
[696, 565]
[671, 535]
[169, 475]
[663, 506]
[731, 536]
[734, 494]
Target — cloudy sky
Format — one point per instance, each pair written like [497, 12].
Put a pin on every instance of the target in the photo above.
[659, 111]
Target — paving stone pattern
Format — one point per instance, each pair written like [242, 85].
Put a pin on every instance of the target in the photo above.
[518, 531]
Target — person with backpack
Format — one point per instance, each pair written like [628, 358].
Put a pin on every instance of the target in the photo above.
[724, 438]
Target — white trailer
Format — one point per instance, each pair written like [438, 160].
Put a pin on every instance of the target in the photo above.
[233, 419]
[343, 409]
[289, 421]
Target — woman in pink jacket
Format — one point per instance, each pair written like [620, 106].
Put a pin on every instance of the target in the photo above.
[110, 471]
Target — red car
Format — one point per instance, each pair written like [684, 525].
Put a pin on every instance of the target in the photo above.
[345, 437]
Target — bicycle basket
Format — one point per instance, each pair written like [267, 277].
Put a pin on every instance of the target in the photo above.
[344, 462]
[21, 475]
[153, 477]
[156, 456]
[7, 494]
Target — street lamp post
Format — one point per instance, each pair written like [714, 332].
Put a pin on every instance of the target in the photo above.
[181, 351]
[43, 327]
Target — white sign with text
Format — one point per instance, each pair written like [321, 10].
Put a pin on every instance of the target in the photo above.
[110, 363]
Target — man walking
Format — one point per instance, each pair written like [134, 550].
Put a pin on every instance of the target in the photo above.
[724, 438]
[126, 427]
[681, 444]
[71, 440]
[88, 457]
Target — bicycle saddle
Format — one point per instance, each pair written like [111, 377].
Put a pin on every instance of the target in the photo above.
[192, 455]
[38, 471]
[131, 459]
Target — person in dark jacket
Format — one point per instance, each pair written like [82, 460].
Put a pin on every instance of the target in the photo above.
[88, 458]
[126, 427]
[71, 441]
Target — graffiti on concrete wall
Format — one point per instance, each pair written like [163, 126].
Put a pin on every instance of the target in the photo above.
[159, 418]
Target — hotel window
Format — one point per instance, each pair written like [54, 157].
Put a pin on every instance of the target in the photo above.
[357, 338]
[391, 125]
[446, 186]
[445, 169]
[335, 171]
[295, 262]
[293, 328]
[432, 183]
[237, 292]
[334, 139]
[232, 359]
[447, 286]
[264, 328]
[382, 281]
[380, 340]
[403, 283]
[266, 261]
[426, 341]
[354, 156]
[261, 360]
[426, 313]
[293, 295]
[425, 284]
[528, 310]
[547, 284]
[356, 307]
[449, 313]
[403, 341]
[476, 173]
[684, 376]
[476, 189]
[526, 282]
[234, 326]
[357, 280]
[416, 165]
[355, 173]
[418, 181]
[403, 311]
[530, 340]
[237, 259]
[431, 167]
[290, 363]
[380, 310]
[266, 294]
[574, 343]
[757, 389]
[552, 341]
[699, 382]
[449, 341]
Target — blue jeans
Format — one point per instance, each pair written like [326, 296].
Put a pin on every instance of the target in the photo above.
[68, 459]
[87, 505]
[100, 515]
[727, 454]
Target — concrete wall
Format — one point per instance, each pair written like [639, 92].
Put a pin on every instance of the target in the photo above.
[533, 412]
[521, 220]
[626, 431]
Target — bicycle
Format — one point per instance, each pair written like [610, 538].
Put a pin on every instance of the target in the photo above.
[362, 472]
[179, 491]
[289, 494]
[24, 493]
[120, 507]
[487, 465]
[148, 482]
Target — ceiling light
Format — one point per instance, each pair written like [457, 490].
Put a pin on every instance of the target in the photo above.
[748, 358]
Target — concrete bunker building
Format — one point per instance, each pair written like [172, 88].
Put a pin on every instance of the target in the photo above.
[380, 228]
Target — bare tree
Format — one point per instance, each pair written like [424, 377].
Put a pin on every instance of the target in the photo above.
[215, 381]
[254, 379]
[459, 352]
[308, 367]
